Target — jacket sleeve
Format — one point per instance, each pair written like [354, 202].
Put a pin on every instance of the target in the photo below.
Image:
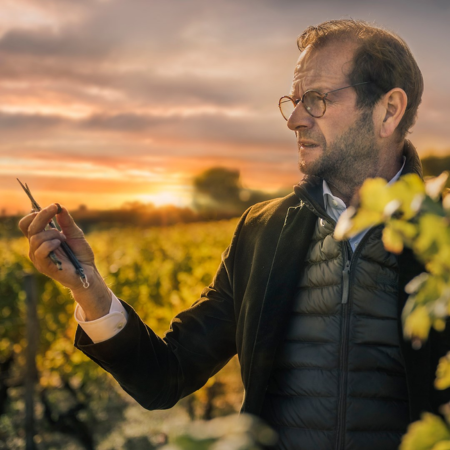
[157, 372]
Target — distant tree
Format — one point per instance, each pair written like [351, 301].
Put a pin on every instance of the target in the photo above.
[219, 191]
[219, 184]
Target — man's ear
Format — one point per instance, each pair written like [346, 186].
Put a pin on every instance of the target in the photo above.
[390, 109]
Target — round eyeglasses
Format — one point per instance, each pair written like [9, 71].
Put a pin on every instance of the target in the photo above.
[313, 101]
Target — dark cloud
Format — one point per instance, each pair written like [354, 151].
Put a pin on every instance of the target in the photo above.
[206, 127]
[27, 122]
[54, 44]
[88, 83]
[127, 122]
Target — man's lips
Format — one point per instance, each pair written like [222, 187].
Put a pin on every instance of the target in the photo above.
[307, 144]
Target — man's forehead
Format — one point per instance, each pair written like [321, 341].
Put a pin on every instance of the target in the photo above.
[322, 83]
[321, 68]
[305, 79]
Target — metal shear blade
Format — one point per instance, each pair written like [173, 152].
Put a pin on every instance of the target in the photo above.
[34, 203]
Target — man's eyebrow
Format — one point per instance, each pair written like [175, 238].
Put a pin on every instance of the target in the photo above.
[322, 88]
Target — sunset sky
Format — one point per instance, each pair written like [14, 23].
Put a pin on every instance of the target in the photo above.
[104, 102]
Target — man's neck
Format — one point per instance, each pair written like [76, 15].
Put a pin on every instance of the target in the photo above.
[349, 193]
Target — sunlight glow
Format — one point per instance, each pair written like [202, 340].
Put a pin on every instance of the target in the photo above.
[165, 198]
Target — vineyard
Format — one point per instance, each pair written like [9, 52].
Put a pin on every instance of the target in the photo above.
[159, 271]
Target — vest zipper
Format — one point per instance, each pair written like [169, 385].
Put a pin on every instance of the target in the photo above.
[343, 354]
[345, 282]
[347, 276]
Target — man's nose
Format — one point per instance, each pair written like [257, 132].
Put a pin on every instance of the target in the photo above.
[300, 118]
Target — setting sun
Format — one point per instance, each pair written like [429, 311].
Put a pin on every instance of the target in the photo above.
[165, 198]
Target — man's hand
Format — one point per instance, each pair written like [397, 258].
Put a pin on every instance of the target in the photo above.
[95, 300]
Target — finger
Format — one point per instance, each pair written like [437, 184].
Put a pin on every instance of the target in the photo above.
[68, 225]
[37, 239]
[25, 222]
[42, 219]
[45, 248]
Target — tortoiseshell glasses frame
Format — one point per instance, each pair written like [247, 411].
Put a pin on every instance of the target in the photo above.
[313, 101]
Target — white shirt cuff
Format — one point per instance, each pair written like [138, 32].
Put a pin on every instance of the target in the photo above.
[105, 327]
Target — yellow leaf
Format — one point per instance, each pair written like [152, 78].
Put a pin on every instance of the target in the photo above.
[414, 182]
[433, 233]
[443, 445]
[391, 208]
[416, 283]
[442, 380]
[416, 203]
[365, 219]
[407, 229]
[417, 323]
[446, 202]
[431, 290]
[344, 224]
[410, 191]
[392, 240]
[424, 433]
[439, 325]
[374, 195]
[434, 186]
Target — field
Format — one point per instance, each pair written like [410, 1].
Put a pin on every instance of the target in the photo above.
[159, 271]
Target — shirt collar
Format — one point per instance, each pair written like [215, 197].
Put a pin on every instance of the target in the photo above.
[338, 203]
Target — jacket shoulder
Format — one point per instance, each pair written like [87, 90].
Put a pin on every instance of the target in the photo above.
[270, 210]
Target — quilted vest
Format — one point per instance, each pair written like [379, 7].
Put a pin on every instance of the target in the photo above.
[338, 381]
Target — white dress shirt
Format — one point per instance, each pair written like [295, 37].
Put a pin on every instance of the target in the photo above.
[109, 325]
[105, 327]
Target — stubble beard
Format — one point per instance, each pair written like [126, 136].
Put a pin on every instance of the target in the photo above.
[350, 158]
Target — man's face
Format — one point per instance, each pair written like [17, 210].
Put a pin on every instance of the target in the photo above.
[342, 142]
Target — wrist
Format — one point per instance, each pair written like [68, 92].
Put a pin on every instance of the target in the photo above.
[96, 299]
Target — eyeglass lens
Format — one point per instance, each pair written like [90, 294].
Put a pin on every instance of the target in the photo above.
[312, 101]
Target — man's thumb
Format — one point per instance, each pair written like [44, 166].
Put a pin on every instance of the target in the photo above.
[67, 224]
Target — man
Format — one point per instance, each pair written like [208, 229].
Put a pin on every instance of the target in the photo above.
[315, 322]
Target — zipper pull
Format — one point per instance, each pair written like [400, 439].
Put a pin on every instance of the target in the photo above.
[345, 278]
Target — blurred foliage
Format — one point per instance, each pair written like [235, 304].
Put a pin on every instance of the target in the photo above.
[429, 433]
[234, 432]
[159, 271]
[413, 215]
[416, 215]
[131, 214]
